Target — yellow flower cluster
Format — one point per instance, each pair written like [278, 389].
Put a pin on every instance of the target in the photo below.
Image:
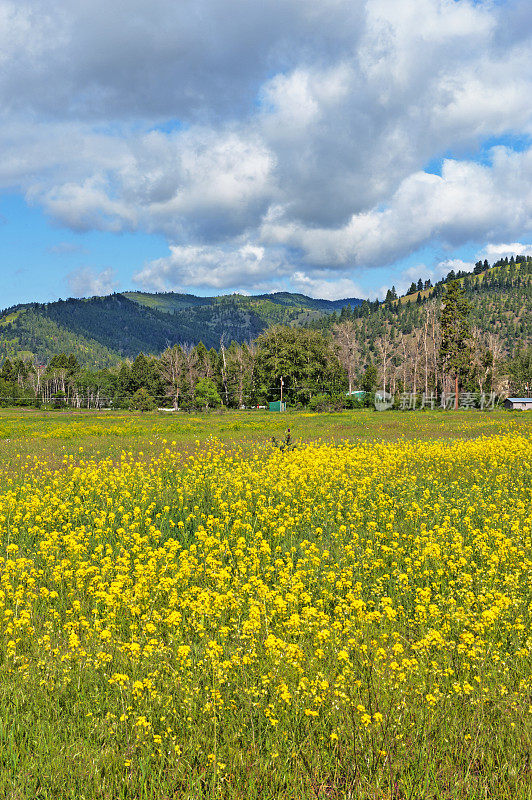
[238, 604]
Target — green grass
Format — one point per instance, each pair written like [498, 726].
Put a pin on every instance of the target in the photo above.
[52, 434]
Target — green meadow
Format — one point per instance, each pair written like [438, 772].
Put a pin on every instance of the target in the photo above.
[52, 434]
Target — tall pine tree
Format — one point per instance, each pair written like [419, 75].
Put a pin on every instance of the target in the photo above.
[455, 349]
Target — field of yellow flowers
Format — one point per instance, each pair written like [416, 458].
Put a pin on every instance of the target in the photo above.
[334, 621]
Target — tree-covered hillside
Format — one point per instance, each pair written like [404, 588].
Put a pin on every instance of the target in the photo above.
[501, 310]
[26, 333]
[172, 302]
[115, 322]
[101, 330]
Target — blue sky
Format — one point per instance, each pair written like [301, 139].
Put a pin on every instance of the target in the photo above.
[210, 147]
[41, 259]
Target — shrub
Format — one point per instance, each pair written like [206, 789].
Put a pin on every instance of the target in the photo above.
[142, 401]
[326, 402]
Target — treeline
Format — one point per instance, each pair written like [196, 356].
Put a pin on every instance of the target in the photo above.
[319, 368]
[184, 376]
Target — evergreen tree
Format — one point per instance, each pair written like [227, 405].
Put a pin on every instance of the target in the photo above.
[72, 364]
[455, 349]
[520, 369]
[369, 379]
[140, 372]
[7, 373]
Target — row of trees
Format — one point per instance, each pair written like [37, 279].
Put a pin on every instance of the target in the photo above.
[293, 363]
[442, 349]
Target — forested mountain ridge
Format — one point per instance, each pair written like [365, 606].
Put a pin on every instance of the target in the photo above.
[27, 334]
[100, 331]
[170, 302]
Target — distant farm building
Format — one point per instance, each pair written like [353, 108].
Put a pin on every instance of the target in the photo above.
[519, 403]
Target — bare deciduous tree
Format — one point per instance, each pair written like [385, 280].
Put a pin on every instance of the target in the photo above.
[348, 348]
[190, 358]
[383, 345]
[172, 371]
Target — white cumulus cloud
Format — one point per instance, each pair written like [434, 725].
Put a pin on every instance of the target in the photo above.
[301, 130]
[467, 202]
[211, 267]
[319, 284]
[86, 282]
[493, 252]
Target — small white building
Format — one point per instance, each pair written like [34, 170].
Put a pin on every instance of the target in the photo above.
[518, 403]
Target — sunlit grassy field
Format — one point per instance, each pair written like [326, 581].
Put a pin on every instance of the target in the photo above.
[52, 434]
[188, 611]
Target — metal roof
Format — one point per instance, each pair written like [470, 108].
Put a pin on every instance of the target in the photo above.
[520, 399]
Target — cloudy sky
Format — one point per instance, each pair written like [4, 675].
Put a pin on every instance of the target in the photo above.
[332, 147]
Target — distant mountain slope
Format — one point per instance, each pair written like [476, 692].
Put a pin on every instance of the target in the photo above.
[115, 322]
[168, 302]
[171, 302]
[302, 301]
[26, 333]
[101, 330]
